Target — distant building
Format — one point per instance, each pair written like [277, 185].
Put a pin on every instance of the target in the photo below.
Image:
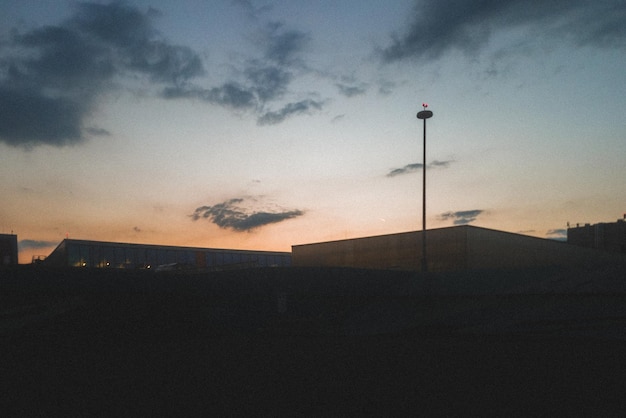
[602, 236]
[456, 248]
[8, 249]
[82, 253]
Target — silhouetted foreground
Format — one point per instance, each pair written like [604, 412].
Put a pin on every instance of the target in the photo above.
[310, 342]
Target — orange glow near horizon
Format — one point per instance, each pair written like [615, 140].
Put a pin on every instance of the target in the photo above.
[261, 135]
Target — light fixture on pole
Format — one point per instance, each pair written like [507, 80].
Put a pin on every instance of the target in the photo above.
[424, 114]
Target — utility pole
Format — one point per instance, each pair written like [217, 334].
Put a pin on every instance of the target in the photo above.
[424, 114]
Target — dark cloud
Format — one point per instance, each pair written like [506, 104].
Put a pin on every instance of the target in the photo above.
[385, 87]
[29, 118]
[268, 82]
[437, 163]
[351, 86]
[338, 118]
[463, 217]
[269, 77]
[262, 84]
[134, 41]
[265, 79]
[282, 46]
[52, 77]
[438, 27]
[411, 168]
[251, 10]
[230, 215]
[229, 94]
[166, 63]
[29, 244]
[290, 109]
[351, 90]
[97, 131]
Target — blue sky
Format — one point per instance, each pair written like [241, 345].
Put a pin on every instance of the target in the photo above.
[263, 124]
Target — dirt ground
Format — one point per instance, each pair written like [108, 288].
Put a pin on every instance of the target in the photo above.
[136, 345]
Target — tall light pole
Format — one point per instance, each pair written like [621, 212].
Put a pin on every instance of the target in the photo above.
[424, 114]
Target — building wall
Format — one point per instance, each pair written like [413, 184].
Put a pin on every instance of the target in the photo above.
[8, 249]
[448, 249]
[81, 253]
[380, 252]
[497, 249]
[603, 236]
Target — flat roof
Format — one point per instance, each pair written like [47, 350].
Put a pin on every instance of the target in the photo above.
[164, 247]
[433, 230]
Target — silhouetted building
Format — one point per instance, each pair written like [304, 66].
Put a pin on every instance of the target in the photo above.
[456, 248]
[82, 253]
[602, 236]
[8, 249]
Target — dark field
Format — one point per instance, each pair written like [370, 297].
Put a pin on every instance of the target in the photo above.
[319, 342]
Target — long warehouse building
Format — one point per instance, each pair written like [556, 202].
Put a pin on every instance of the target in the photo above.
[455, 248]
[99, 254]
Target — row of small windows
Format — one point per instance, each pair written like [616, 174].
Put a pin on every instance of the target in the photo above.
[82, 255]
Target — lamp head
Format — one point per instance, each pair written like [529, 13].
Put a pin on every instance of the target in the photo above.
[424, 114]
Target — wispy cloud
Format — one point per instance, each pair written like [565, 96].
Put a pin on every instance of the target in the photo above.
[338, 118]
[557, 234]
[231, 95]
[29, 244]
[438, 27]
[232, 214]
[290, 109]
[52, 77]
[97, 131]
[462, 217]
[281, 45]
[442, 164]
[385, 87]
[349, 86]
[411, 168]
[268, 82]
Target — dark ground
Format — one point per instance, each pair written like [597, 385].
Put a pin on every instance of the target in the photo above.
[316, 342]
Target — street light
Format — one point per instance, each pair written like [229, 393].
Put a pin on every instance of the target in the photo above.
[424, 114]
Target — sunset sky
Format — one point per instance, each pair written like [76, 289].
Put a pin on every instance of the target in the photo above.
[251, 124]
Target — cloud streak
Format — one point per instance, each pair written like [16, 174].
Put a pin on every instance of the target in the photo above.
[412, 168]
[438, 27]
[463, 217]
[29, 244]
[290, 109]
[230, 215]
